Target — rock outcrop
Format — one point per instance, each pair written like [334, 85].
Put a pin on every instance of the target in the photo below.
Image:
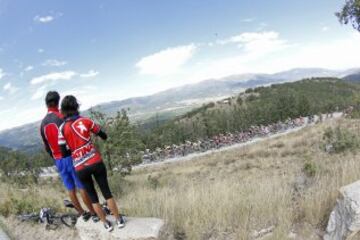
[344, 220]
[135, 229]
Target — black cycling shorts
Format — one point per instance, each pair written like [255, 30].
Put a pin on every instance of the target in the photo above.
[98, 171]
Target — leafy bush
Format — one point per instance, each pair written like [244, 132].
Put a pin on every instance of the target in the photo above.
[239, 100]
[121, 150]
[251, 98]
[118, 184]
[310, 169]
[249, 90]
[355, 114]
[338, 140]
[153, 181]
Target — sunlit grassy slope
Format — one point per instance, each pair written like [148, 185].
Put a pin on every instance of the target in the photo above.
[288, 182]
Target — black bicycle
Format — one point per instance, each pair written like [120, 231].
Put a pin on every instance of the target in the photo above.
[52, 219]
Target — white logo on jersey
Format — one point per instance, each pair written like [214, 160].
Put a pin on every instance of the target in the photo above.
[81, 127]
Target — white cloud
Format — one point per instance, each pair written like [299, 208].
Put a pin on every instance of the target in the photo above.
[333, 54]
[39, 93]
[29, 68]
[1, 98]
[65, 75]
[90, 74]
[27, 115]
[55, 76]
[325, 28]
[248, 20]
[249, 37]
[257, 43]
[54, 63]
[166, 61]
[43, 19]
[268, 53]
[8, 87]
[88, 96]
[40, 50]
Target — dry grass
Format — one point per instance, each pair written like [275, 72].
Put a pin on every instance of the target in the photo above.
[16, 200]
[228, 195]
[235, 192]
[37, 231]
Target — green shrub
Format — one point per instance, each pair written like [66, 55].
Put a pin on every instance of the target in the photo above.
[249, 90]
[278, 145]
[310, 169]
[355, 114]
[338, 140]
[117, 184]
[251, 98]
[153, 181]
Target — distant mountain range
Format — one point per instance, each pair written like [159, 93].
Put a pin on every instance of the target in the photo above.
[176, 101]
[353, 77]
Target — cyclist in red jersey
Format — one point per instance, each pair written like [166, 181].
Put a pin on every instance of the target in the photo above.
[75, 135]
[49, 131]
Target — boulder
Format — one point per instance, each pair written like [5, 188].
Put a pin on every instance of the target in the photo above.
[344, 220]
[135, 229]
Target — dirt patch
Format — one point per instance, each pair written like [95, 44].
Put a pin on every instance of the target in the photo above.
[20, 231]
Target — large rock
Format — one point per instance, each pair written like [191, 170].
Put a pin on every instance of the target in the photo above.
[135, 229]
[344, 220]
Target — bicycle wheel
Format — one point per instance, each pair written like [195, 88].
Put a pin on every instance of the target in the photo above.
[69, 220]
[52, 226]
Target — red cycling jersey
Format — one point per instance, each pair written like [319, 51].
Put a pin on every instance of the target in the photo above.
[76, 133]
[49, 131]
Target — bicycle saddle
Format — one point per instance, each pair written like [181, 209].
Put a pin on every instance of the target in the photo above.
[68, 204]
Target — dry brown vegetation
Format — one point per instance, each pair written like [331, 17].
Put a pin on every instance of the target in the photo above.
[288, 182]
[230, 194]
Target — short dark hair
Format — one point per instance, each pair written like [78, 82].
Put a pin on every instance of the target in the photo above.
[52, 99]
[69, 106]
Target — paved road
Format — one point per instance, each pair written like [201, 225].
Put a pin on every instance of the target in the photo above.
[237, 145]
[189, 157]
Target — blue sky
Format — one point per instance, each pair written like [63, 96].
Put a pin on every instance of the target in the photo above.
[115, 49]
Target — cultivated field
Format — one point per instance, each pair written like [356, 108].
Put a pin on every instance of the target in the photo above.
[286, 186]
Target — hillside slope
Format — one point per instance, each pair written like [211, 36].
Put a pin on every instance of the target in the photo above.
[259, 106]
[298, 179]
